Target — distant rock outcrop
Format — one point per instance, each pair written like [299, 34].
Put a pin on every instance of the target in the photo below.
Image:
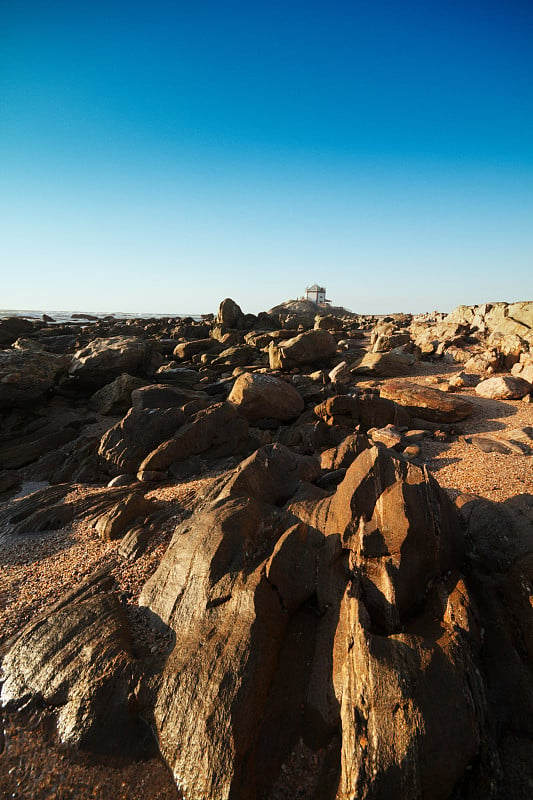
[513, 318]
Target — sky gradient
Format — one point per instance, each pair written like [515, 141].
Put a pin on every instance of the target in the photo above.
[158, 157]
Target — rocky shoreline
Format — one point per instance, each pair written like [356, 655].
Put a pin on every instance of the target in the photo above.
[268, 556]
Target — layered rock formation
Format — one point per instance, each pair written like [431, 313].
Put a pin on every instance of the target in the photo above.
[329, 624]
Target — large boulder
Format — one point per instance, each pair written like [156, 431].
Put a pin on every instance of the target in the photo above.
[161, 395]
[216, 431]
[230, 314]
[306, 348]
[126, 444]
[114, 522]
[52, 507]
[311, 659]
[105, 359]
[426, 402]
[318, 643]
[501, 537]
[12, 328]
[26, 375]
[115, 398]
[261, 396]
[27, 448]
[383, 365]
[504, 387]
[367, 410]
[236, 356]
[186, 350]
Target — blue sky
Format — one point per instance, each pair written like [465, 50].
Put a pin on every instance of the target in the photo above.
[162, 156]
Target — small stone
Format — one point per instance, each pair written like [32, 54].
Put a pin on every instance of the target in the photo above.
[390, 436]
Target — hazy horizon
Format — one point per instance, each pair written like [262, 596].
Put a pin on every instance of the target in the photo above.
[175, 155]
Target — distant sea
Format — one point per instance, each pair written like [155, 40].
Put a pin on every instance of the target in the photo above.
[66, 316]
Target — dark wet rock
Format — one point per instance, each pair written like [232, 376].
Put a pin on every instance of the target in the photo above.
[113, 523]
[12, 328]
[261, 396]
[217, 431]
[115, 398]
[178, 376]
[126, 444]
[22, 450]
[135, 542]
[60, 344]
[103, 360]
[191, 330]
[53, 507]
[25, 375]
[426, 402]
[77, 658]
[160, 395]
[84, 316]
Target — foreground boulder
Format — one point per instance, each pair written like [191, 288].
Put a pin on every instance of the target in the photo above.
[77, 658]
[304, 663]
[110, 510]
[502, 545]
